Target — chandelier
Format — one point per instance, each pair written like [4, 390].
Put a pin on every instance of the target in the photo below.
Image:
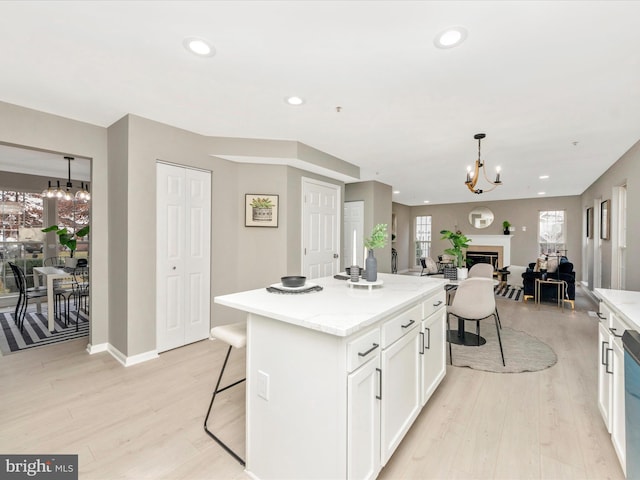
[65, 194]
[474, 174]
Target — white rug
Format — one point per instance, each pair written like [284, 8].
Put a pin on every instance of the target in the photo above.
[522, 352]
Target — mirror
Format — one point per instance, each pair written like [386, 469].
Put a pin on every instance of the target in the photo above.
[481, 217]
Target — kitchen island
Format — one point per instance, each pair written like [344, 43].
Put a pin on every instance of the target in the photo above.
[336, 378]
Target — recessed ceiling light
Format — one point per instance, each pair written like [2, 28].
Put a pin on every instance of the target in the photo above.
[451, 37]
[543, 177]
[199, 46]
[425, 201]
[542, 193]
[295, 101]
[396, 192]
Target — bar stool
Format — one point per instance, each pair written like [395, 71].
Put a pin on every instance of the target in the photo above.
[235, 335]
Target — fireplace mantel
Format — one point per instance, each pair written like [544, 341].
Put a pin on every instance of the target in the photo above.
[486, 242]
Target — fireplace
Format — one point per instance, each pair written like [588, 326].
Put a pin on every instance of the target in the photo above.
[498, 245]
[490, 257]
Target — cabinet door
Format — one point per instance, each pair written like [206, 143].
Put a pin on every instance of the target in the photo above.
[400, 390]
[433, 353]
[604, 374]
[617, 403]
[363, 421]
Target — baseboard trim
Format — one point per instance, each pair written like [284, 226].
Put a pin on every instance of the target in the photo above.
[132, 360]
[101, 347]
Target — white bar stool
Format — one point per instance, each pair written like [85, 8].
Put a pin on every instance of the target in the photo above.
[235, 335]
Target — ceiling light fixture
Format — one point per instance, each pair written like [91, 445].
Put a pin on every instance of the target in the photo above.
[295, 101]
[65, 194]
[474, 174]
[199, 46]
[450, 38]
[543, 177]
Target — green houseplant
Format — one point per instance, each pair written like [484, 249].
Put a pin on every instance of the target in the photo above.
[67, 238]
[459, 243]
[378, 239]
[505, 227]
[262, 209]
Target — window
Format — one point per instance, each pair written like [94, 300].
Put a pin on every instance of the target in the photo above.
[552, 232]
[21, 239]
[423, 237]
[74, 216]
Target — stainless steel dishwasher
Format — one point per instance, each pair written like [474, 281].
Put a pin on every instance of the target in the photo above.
[631, 343]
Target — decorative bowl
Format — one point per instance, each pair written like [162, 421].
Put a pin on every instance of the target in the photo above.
[293, 281]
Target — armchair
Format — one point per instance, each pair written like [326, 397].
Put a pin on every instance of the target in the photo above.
[547, 291]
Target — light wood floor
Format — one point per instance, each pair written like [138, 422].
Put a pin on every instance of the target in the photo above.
[145, 421]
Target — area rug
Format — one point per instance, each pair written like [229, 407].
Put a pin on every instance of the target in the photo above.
[36, 331]
[509, 292]
[522, 352]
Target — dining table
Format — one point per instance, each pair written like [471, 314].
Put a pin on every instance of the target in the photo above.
[49, 276]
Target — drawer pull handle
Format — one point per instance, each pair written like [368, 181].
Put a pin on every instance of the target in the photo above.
[613, 332]
[602, 317]
[379, 396]
[438, 303]
[364, 354]
[411, 322]
[603, 359]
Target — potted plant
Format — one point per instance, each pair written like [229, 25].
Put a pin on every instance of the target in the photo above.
[505, 226]
[378, 239]
[261, 209]
[68, 239]
[459, 243]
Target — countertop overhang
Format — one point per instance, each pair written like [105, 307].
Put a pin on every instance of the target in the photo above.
[338, 309]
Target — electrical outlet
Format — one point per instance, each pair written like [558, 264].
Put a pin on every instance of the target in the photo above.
[524, 228]
[263, 385]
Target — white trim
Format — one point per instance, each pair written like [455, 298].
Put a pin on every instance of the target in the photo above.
[133, 360]
[101, 347]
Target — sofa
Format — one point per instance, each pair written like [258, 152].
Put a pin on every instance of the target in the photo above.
[549, 292]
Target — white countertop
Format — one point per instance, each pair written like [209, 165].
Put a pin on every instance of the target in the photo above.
[624, 302]
[338, 309]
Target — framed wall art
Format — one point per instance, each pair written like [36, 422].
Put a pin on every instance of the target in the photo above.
[260, 210]
[589, 222]
[604, 219]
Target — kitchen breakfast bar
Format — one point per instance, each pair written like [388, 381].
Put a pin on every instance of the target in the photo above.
[335, 378]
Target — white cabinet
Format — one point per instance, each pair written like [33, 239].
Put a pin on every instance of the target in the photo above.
[611, 377]
[363, 418]
[604, 374]
[400, 389]
[432, 350]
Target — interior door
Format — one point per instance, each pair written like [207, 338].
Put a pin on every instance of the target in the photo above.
[320, 228]
[182, 256]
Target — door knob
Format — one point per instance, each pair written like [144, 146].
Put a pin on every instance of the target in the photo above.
[335, 255]
[173, 268]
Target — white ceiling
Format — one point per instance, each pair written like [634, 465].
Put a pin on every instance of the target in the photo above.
[554, 85]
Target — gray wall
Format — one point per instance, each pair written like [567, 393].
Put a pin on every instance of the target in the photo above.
[524, 245]
[626, 171]
[377, 209]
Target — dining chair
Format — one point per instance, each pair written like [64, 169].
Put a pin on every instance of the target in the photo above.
[481, 270]
[25, 294]
[484, 270]
[53, 262]
[474, 301]
[81, 289]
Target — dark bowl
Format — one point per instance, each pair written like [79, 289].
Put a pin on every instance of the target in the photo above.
[293, 281]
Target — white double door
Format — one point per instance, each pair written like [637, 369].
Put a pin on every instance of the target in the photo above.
[183, 255]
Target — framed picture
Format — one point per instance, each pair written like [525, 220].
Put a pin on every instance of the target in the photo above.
[604, 219]
[590, 222]
[260, 210]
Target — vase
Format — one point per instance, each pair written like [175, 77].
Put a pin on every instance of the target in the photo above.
[70, 262]
[506, 231]
[462, 273]
[354, 273]
[371, 267]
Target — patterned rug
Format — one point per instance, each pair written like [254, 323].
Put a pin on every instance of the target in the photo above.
[36, 331]
[507, 291]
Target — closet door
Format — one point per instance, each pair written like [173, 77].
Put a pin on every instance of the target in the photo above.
[182, 255]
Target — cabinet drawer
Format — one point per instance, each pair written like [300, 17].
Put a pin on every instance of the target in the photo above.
[618, 326]
[400, 325]
[433, 303]
[362, 349]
